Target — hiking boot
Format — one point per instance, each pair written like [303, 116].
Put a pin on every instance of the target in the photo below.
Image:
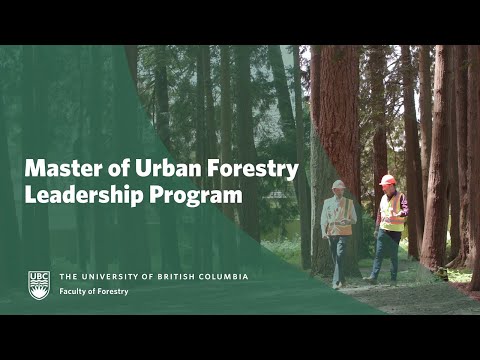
[336, 287]
[370, 280]
[341, 284]
[393, 283]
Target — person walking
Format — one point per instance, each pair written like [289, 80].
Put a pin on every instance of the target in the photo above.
[390, 224]
[338, 215]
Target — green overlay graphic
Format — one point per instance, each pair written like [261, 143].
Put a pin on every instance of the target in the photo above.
[66, 103]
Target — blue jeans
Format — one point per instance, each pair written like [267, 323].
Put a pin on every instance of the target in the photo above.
[338, 245]
[387, 245]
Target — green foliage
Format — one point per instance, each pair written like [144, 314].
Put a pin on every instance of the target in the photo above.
[394, 126]
[367, 246]
[63, 265]
[288, 250]
[460, 275]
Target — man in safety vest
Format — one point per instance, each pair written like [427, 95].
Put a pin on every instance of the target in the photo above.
[391, 218]
[338, 215]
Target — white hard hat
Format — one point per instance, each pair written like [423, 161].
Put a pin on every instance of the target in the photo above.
[338, 185]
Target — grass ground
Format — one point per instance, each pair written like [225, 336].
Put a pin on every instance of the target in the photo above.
[415, 293]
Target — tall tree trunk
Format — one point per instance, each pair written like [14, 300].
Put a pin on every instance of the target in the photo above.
[461, 73]
[453, 170]
[131, 51]
[167, 217]
[28, 134]
[80, 150]
[200, 151]
[377, 64]
[228, 246]
[246, 146]
[162, 115]
[211, 152]
[473, 149]
[434, 239]
[287, 122]
[414, 170]
[425, 114]
[302, 189]
[475, 122]
[133, 254]
[321, 261]
[338, 129]
[226, 123]
[35, 223]
[98, 247]
[10, 262]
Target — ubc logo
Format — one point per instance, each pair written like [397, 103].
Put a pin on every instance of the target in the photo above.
[39, 284]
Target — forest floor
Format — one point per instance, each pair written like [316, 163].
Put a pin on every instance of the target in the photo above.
[430, 296]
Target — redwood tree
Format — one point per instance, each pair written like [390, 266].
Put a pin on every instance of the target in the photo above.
[425, 113]
[12, 274]
[414, 180]
[228, 246]
[434, 238]
[473, 150]
[246, 147]
[453, 171]
[321, 261]
[461, 71]
[377, 64]
[338, 130]
[302, 182]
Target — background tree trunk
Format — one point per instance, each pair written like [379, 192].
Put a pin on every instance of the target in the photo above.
[35, 220]
[200, 142]
[133, 252]
[425, 114]
[302, 189]
[211, 152]
[11, 270]
[287, 122]
[101, 222]
[81, 152]
[475, 250]
[228, 246]
[434, 239]
[377, 64]
[168, 218]
[321, 260]
[246, 147]
[453, 170]
[338, 130]
[461, 73]
[473, 150]
[414, 169]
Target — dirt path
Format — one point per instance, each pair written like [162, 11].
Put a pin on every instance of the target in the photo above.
[426, 299]
[432, 297]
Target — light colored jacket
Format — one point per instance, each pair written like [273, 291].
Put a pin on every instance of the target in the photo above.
[333, 212]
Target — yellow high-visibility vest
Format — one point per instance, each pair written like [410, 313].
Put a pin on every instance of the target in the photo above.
[387, 208]
[335, 214]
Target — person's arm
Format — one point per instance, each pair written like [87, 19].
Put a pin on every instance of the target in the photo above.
[403, 206]
[323, 220]
[353, 215]
[377, 223]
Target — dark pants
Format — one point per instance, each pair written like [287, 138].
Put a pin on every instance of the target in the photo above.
[338, 245]
[387, 245]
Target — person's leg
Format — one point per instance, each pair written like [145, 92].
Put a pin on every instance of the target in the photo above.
[341, 251]
[377, 262]
[395, 240]
[332, 241]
